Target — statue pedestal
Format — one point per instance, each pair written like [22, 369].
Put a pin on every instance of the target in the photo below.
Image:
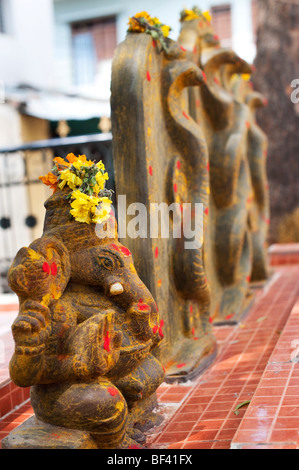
[34, 434]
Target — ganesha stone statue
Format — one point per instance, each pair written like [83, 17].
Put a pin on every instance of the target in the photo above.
[87, 324]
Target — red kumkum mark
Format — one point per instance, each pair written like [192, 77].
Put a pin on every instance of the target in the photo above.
[191, 308]
[216, 81]
[228, 317]
[143, 307]
[207, 211]
[150, 170]
[107, 342]
[113, 391]
[204, 77]
[183, 49]
[210, 320]
[175, 188]
[208, 166]
[248, 278]
[216, 37]
[193, 331]
[46, 268]
[156, 252]
[125, 251]
[154, 43]
[197, 103]
[248, 124]
[178, 165]
[194, 50]
[185, 115]
[179, 366]
[160, 329]
[148, 76]
[54, 269]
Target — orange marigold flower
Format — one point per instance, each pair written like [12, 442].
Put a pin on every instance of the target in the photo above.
[59, 161]
[71, 158]
[50, 180]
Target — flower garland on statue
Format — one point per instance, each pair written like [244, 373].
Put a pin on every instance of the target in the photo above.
[194, 14]
[90, 200]
[143, 22]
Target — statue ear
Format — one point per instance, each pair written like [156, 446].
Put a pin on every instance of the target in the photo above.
[42, 271]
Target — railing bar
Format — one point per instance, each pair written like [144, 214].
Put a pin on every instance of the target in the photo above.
[60, 142]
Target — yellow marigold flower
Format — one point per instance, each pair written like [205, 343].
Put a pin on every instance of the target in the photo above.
[102, 212]
[96, 189]
[100, 165]
[69, 178]
[190, 15]
[165, 30]
[101, 179]
[207, 16]
[135, 26]
[50, 180]
[83, 207]
[154, 21]
[246, 76]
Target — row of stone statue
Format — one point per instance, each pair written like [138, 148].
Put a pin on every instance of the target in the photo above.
[91, 341]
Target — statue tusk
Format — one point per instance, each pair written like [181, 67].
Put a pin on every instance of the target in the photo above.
[116, 288]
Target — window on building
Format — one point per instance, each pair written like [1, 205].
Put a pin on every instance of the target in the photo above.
[93, 41]
[222, 23]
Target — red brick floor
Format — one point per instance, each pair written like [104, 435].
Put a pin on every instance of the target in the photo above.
[272, 419]
[201, 414]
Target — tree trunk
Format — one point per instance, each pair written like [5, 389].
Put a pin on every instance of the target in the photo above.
[277, 66]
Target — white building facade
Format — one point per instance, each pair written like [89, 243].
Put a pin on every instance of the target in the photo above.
[82, 29]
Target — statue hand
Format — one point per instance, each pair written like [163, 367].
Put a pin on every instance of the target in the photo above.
[31, 328]
[96, 346]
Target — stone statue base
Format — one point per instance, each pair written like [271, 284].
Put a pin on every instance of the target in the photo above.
[36, 434]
